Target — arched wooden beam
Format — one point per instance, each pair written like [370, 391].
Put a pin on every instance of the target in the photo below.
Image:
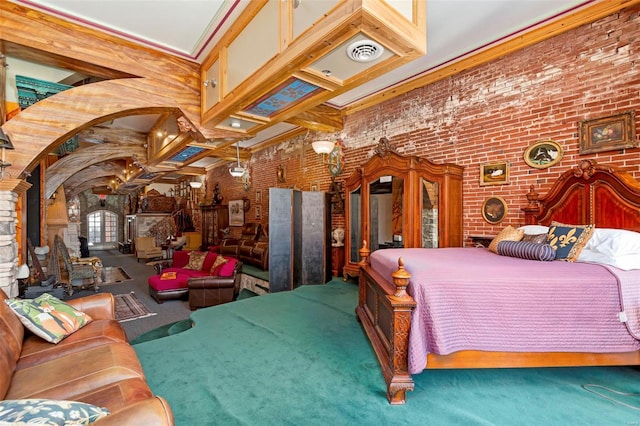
[83, 158]
[93, 183]
[77, 183]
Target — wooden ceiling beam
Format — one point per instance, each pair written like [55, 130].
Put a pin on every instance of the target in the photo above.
[323, 118]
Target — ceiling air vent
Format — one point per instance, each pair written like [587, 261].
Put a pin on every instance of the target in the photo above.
[364, 51]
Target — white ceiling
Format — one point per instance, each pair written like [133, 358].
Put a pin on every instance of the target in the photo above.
[191, 28]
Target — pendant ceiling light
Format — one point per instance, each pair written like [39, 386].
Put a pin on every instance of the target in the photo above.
[238, 170]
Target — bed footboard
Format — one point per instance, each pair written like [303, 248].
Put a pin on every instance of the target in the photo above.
[385, 312]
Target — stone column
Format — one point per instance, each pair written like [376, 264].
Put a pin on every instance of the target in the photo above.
[9, 190]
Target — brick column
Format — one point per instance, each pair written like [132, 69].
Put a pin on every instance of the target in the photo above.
[9, 190]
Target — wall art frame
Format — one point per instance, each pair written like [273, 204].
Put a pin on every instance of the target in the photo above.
[494, 173]
[543, 154]
[608, 133]
[494, 209]
[236, 212]
[280, 174]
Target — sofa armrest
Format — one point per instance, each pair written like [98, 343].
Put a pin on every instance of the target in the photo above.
[162, 265]
[97, 306]
[211, 282]
[153, 411]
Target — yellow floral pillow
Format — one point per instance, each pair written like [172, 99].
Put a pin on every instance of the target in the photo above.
[215, 268]
[196, 260]
[568, 240]
[507, 234]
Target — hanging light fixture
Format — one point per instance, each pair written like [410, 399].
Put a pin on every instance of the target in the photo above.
[238, 170]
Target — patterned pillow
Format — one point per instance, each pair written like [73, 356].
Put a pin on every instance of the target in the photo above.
[49, 412]
[215, 269]
[568, 240]
[507, 234]
[537, 238]
[49, 317]
[196, 260]
[526, 250]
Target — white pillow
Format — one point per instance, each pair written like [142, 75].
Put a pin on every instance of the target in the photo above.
[626, 262]
[534, 229]
[614, 242]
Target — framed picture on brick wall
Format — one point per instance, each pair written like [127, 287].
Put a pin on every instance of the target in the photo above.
[608, 133]
[543, 154]
[494, 210]
[494, 174]
[236, 212]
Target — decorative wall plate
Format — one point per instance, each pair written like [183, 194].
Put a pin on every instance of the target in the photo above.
[543, 154]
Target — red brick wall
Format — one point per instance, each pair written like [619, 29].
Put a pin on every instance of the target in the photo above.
[490, 113]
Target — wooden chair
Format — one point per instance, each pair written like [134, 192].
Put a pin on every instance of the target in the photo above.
[75, 271]
[147, 249]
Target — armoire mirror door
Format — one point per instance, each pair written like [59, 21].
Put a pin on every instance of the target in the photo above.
[386, 213]
[353, 228]
[430, 201]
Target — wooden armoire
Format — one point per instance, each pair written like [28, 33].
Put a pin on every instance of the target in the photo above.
[215, 218]
[395, 200]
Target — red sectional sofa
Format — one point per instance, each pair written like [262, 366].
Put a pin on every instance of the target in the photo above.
[173, 277]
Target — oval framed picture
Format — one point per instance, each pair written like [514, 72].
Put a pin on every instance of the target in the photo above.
[543, 154]
[494, 209]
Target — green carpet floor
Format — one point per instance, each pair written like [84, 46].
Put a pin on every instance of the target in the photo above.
[301, 358]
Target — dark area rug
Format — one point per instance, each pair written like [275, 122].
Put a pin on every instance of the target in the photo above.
[129, 308]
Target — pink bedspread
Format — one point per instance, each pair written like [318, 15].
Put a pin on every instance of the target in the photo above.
[472, 299]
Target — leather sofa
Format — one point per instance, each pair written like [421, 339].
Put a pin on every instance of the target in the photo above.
[200, 284]
[212, 291]
[94, 365]
[251, 248]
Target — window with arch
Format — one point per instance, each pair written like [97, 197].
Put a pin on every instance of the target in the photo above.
[102, 226]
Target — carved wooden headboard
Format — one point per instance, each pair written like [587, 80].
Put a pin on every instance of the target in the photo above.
[590, 193]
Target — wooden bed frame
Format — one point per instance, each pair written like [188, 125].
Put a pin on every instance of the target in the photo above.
[589, 193]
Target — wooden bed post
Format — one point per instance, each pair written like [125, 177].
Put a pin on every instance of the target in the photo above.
[385, 314]
[364, 253]
[533, 208]
[403, 305]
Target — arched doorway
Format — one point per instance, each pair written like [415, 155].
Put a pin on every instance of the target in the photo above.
[102, 229]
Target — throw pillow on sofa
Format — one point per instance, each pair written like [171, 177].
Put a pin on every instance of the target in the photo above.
[48, 317]
[217, 265]
[49, 412]
[196, 260]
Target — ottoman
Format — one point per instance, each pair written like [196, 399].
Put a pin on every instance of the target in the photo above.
[165, 289]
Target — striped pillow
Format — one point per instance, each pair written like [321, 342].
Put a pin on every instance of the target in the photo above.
[526, 250]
